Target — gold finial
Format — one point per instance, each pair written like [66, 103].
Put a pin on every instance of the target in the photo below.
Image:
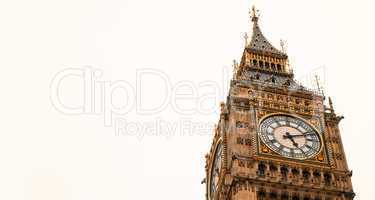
[254, 13]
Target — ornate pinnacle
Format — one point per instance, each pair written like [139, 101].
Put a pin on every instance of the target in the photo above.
[330, 104]
[320, 89]
[283, 45]
[235, 69]
[254, 14]
[246, 37]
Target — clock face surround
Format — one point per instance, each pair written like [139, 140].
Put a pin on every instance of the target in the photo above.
[290, 137]
[215, 170]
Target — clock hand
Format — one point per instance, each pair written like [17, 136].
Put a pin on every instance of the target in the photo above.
[303, 135]
[291, 139]
[292, 136]
[294, 142]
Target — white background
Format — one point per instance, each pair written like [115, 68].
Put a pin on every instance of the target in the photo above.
[45, 154]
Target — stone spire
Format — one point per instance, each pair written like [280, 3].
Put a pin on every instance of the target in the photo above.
[258, 42]
[260, 56]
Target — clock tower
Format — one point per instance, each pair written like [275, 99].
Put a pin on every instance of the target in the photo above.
[275, 138]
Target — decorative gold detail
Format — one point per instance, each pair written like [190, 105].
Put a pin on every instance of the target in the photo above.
[265, 149]
[320, 157]
[286, 103]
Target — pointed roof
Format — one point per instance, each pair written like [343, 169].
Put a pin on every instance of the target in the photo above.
[258, 41]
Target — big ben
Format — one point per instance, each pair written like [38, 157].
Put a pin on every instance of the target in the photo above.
[275, 138]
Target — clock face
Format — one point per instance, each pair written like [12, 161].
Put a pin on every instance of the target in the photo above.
[290, 137]
[215, 170]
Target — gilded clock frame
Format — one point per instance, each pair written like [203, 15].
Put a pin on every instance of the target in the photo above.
[319, 133]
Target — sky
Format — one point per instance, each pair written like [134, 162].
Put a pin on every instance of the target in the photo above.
[118, 99]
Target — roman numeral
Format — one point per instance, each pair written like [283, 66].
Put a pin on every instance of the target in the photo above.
[292, 153]
[308, 133]
[278, 122]
[298, 125]
[304, 153]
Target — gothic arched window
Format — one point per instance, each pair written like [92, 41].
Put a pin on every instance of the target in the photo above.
[284, 196]
[278, 67]
[327, 178]
[273, 195]
[284, 171]
[273, 66]
[261, 64]
[273, 168]
[261, 169]
[295, 172]
[295, 198]
[262, 194]
[267, 65]
[316, 174]
[306, 174]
